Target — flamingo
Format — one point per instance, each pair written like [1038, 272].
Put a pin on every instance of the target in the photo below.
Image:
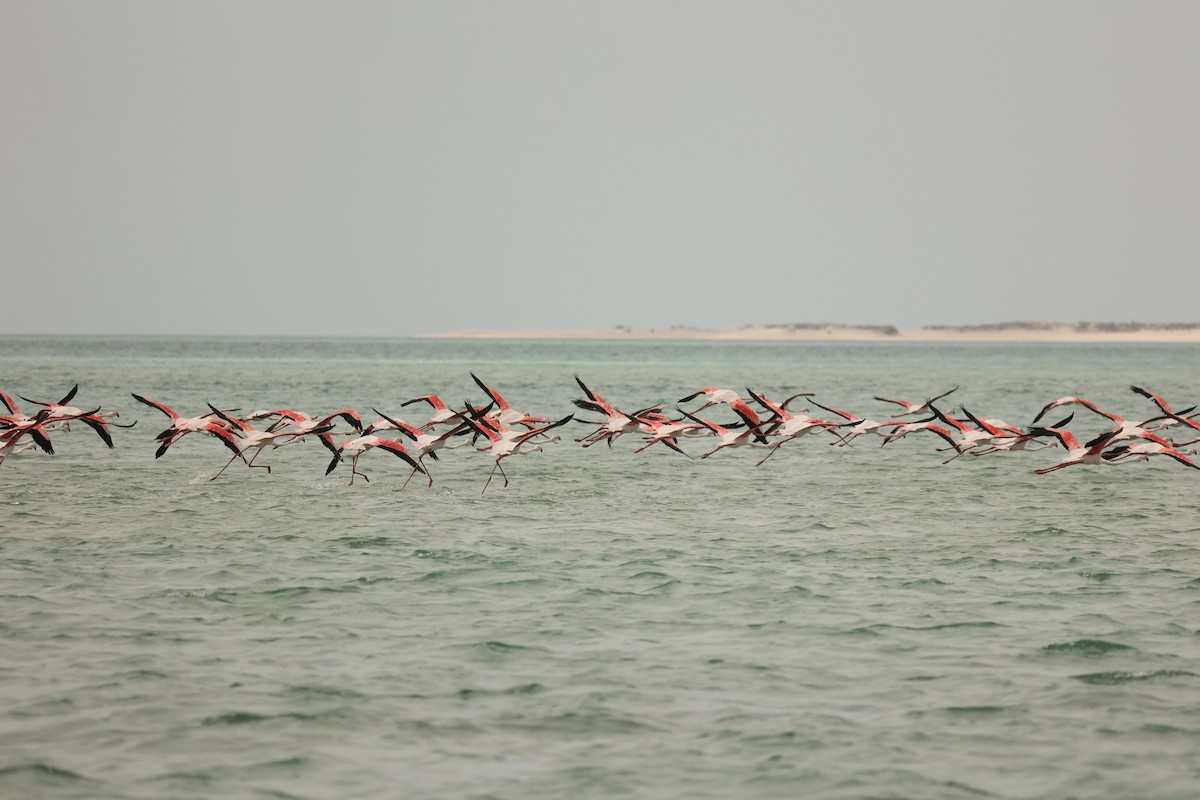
[728, 436]
[12, 406]
[1127, 429]
[667, 432]
[15, 428]
[859, 426]
[61, 412]
[1173, 417]
[1066, 401]
[250, 437]
[12, 445]
[973, 438]
[1023, 440]
[361, 444]
[506, 413]
[615, 422]
[182, 426]
[734, 400]
[928, 424]
[15, 416]
[915, 408]
[1143, 450]
[303, 425]
[501, 447]
[441, 412]
[425, 442]
[299, 420]
[788, 425]
[1091, 453]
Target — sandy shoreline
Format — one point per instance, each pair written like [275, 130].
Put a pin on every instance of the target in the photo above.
[840, 333]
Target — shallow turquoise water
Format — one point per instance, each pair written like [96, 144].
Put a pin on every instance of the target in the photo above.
[843, 622]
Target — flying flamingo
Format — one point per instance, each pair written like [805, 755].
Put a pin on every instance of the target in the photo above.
[734, 400]
[615, 422]
[1023, 440]
[915, 408]
[1124, 429]
[302, 425]
[985, 433]
[361, 444]
[506, 413]
[250, 437]
[425, 442]
[12, 445]
[15, 416]
[182, 426]
[441, 412]
[859, 426]
[1173, 417]
[928, 424]
[61, 412]
[1067, 401]
[13, 428]
[667, 432]
[502, 447]
[1090, 453]
[1143, 450]
[728, 436]
[789, 425]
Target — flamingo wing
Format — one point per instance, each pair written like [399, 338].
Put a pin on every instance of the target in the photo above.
[153, 404]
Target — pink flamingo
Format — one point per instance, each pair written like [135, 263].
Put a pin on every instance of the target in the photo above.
[728, 436]
[182, 426]
[506, 413]
[788, 425]
[734, 400]
[502, 447]
[61, 412]
[615, 422]
[915, 408]
[251, 438]
[361, 444]
[1173, 417]
[441, 412]
[859, 426]
[425, 442]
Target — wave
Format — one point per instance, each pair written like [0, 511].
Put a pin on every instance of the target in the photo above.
[1117, 678]
[1087, 647]
[39, 772]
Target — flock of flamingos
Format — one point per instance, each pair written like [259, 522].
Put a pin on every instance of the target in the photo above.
[498, 429]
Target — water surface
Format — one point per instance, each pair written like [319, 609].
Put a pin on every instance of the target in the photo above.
[842, 622]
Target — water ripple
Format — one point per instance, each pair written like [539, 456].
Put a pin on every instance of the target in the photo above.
[1116, 678]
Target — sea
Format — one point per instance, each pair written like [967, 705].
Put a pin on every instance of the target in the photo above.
[840, 622]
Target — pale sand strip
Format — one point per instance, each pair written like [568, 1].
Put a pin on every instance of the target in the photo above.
[836, 333]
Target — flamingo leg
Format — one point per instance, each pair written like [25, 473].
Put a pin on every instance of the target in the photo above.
[222, 469]
[251, 463]
[502, 474]
[405, 484]
[774, 447]
[354, 470]
[490, 475]
[956, 455]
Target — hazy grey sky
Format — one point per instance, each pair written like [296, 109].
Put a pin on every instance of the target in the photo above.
[393, 168]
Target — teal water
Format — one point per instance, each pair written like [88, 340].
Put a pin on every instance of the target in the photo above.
[842, 622]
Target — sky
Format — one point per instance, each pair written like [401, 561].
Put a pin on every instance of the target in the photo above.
[395, 168]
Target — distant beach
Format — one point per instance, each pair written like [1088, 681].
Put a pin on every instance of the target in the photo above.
[1083, 332]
